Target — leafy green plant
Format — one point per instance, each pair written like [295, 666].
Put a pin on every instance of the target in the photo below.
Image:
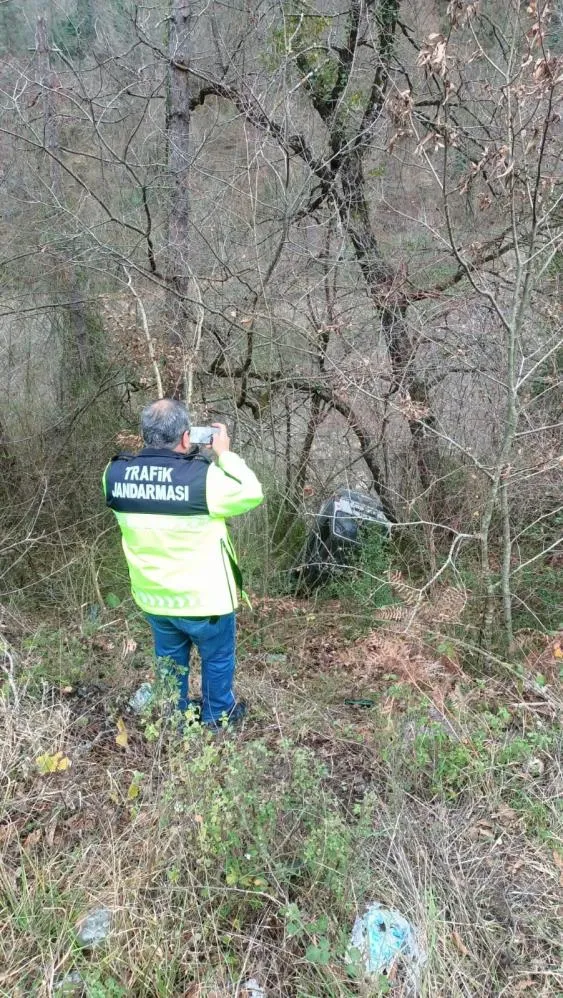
[364, 583]
[256, 823]
[100, 985]
[437, 761]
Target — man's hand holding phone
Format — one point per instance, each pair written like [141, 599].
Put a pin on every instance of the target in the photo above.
[214, 436]
[221, 442]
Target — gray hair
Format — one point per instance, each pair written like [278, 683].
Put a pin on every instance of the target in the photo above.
[163, 423]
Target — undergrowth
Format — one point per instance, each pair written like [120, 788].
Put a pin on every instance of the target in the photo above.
[249, 856]
[365, 583]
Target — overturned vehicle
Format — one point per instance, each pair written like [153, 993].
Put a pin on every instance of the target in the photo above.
[336, 537]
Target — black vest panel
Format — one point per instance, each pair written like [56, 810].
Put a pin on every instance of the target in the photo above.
[158, 481]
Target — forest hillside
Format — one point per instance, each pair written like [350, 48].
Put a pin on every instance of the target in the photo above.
[336, 227]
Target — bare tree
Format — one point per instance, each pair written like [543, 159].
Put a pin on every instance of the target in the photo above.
[340, 228]
[178, 145]
[517, 176]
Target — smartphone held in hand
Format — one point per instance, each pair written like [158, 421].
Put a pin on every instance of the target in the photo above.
[202, 435]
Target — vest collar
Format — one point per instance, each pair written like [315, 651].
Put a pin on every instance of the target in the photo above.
[163, 452]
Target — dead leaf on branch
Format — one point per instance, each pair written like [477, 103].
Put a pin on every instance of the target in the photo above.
[400, 107]
[432, 143]
[412, 410]
[402, 133]
[546, 71]
[503, 163]
[461, 12]
[433, 57]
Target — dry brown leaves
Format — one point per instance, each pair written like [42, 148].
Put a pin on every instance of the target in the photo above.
[268, 606]
[379, 658]
[380, 655]
[128, 441]
[460, 12]
[412, 410]
[432, 56]
[400, 107]
[320, 646]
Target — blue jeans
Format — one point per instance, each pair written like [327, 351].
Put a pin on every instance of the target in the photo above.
[214, 639]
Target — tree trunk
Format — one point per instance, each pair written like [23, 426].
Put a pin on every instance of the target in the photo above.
[383, 285]
[178, 141]
[71, 291]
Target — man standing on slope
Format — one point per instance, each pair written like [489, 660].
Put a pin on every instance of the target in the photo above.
[171, 503]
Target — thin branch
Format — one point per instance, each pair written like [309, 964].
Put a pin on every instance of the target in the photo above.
[146, 331]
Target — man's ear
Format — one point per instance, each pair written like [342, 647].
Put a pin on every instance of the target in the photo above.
[186, 440]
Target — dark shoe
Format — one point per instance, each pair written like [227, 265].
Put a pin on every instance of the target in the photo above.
[237, 714]
[231, 720]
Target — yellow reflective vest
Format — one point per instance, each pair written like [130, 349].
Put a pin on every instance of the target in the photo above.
[171, 510]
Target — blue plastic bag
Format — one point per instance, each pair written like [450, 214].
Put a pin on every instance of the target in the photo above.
[385, 941]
